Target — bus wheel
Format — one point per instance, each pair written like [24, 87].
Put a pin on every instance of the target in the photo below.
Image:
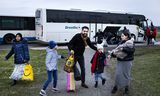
[7, 39]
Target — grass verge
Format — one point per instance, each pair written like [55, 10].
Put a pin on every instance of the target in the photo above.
[145, 72]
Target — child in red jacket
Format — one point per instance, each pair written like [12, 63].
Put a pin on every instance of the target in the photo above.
[98, 63]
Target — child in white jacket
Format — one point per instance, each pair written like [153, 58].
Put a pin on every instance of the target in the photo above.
[51, 66]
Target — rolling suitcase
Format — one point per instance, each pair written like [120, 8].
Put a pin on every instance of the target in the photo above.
[70, 82]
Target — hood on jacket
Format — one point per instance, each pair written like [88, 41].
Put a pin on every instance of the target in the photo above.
[49, 50]
[23, 40]
[52, 44]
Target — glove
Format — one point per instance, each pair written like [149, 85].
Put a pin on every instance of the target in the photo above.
[62, 57]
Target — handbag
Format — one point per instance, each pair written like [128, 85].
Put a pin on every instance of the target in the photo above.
[68, 67]
[28, 73]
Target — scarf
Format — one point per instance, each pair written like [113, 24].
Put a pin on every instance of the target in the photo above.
[94, 61]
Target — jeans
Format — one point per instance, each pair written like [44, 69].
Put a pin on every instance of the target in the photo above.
[49, 80]
[80, 60]
[98, 75]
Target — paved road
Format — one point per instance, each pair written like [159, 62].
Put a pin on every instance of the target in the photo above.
[80, 91]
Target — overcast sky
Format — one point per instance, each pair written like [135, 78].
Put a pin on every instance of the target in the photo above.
[149, 8]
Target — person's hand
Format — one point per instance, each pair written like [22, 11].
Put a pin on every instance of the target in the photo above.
[109, 52]
[109, 57]
[71, 52]
[121, 48]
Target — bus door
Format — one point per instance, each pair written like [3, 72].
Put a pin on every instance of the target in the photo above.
[93, 29]
[38, 25]
[99, 29]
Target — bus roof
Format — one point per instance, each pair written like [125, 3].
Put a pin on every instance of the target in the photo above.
[95, 17]
[16, 16]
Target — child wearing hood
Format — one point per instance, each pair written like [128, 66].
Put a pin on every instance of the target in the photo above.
[51, 66]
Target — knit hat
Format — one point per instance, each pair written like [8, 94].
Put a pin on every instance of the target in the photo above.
[52, 44]
[100, 46]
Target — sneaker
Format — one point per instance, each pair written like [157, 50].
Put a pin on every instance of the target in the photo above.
[84, 85]
[55, 89]
[114, 90]
[103, 81]
[42, 93]
[96, 84]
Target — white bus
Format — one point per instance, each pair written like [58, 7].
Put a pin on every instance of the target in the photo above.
[62, 25]
[11, 25]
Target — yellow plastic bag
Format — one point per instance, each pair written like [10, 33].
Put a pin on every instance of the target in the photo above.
[28, 73]
[68, 67]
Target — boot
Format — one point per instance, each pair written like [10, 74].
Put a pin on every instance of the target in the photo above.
[126, 90]
[103, 81]
[14, 82]
[114, 90]
[96, 84]
[84, 85]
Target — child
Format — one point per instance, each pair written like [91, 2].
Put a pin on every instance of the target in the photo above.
[21, 56]
[51, 65]
[98, 63]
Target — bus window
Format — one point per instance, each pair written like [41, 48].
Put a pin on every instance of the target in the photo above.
[9, 23]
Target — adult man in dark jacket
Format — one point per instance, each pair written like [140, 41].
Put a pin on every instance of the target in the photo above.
[77, 45]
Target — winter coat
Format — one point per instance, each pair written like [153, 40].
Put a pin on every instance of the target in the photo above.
[98, 62]
[128, 49]
[20, 51]
[154, 33]
[118, 52]
[148, 32]
[51, 59]
[77, 44]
